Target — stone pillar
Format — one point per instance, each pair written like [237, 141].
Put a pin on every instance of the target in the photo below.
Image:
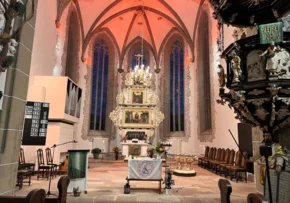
[14, 101]
[257, 138]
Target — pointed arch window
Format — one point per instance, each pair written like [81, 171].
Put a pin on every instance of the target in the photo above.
[176, 86]
[204, 85]
[134, 60]
[99, 86]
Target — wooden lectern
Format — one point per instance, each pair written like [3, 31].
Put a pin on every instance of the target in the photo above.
[78, 169]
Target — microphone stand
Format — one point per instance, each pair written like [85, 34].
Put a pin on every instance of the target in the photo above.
[237, 144]
[54, 146]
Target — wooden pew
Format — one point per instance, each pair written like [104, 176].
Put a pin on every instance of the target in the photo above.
[225, 189]
[39, 195]
[35, 196]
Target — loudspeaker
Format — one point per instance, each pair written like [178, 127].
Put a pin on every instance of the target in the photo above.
[245, 138]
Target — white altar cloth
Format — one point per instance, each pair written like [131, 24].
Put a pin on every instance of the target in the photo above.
[144, 168]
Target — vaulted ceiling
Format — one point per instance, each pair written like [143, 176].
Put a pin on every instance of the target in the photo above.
[128, 19]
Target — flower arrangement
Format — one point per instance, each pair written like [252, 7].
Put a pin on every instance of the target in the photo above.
[159, 149]
[116, 149]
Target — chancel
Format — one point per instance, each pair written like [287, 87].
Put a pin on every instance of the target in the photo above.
[144, 101]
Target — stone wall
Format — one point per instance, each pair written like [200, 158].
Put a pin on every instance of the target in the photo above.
[14, 100]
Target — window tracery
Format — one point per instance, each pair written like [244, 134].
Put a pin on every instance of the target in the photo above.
[99, 86]
[176, 86]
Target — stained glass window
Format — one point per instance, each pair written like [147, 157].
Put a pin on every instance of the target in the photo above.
[99, 86]
[177, 87]
[135, 61]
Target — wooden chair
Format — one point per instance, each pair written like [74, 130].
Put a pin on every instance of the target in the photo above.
[23, 164]
[46, 170]
[49, 161]
[212, 157]
[223, 159]
[222, 166]
[210, 151]
[225, 189]
[205, 156]
[237, 163]
[256, 198]
[237, 169]
[216, 158]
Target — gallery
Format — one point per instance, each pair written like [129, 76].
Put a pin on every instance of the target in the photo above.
[144, 101]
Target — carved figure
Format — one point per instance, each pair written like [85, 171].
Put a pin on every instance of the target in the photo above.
[236, 66]
[222, 76]
[272, 60]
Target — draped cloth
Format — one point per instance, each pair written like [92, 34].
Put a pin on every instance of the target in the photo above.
[145, 169]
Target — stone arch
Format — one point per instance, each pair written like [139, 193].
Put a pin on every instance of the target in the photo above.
[105, 35]
[205, 125]
[72, 47]
[164, 59]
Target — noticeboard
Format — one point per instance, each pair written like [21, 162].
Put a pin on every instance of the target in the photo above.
[272, 32]
[35, 124]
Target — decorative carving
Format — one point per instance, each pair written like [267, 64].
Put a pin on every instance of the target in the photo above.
[115, 116]
[222, 76]
[256, 92]
[282, 113]
[272, 58]
[255, 66]
[236, 66]
[159, 117]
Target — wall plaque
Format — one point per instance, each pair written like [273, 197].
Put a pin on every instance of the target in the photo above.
[271, 32]
[35, 124]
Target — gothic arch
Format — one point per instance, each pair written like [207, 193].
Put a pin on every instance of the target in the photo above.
[134, 43]
[72, 47]
[62, 5]
[205, 125]
[105, 35]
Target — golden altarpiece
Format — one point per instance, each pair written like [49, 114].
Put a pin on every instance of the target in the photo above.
[137, 115]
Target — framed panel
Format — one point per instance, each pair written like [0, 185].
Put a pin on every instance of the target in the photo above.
[137, 96]
[137, 117]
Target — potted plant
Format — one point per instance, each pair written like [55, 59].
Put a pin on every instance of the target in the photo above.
[150, 152]
[116, 150]
[168, 182]
[76, 192]
[96, 152]
[159, 150]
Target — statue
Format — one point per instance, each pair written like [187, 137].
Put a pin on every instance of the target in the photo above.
[222, 76]
[236, 66]
[272, 61]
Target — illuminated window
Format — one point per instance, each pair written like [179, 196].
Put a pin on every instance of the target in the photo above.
[176, 87]
[99, 87]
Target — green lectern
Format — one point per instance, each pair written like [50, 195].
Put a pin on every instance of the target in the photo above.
[78, 169]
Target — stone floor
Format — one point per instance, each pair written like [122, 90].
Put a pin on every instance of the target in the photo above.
[106, 179]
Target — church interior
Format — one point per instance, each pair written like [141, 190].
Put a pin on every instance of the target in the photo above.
[144, 101]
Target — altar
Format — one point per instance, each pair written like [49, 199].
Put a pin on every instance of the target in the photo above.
[135, 149]
[137, 115]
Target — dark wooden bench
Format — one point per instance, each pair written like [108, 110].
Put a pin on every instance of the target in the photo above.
[157, 180]
[39, 195]
[226, 190]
